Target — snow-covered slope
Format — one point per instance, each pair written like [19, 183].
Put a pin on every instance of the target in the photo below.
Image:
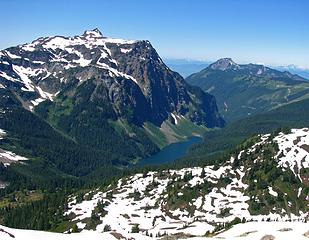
[248, 231]
[265, 180]
[265, 231]
[20, 234]
[260, 191]
[293, 150]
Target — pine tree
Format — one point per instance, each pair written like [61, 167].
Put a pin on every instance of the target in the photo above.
[74, 228]
[107, 228]
[203, 173]
[135, 228]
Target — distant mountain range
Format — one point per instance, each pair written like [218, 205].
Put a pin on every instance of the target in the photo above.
[186, 67]
[295, 70]
[248, 89]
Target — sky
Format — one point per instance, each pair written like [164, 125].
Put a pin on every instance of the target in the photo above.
[271, 32]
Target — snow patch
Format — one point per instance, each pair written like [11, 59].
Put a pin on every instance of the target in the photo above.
[8, 157]
[272, 192]
[11, 55]
[123, 50]
[21, 71]
[2, 134]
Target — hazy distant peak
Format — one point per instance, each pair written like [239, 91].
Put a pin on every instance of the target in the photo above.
[95, 33]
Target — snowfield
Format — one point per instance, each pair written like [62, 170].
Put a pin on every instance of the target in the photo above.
[21, 234]
[248, 231]
[260, 230]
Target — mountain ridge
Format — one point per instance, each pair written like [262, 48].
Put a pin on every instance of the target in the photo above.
[186, 67]
[247, 89]
[224, 64]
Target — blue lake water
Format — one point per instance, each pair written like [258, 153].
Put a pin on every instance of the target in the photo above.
[170, 153]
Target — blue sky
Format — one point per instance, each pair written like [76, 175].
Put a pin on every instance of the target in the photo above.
[273, 32]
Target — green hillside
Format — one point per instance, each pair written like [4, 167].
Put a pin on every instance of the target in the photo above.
[216, 142]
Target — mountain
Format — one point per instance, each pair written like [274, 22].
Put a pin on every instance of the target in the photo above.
[115, 98]
[248, 89]
[187, 67]
[127, 75]
[263, 179]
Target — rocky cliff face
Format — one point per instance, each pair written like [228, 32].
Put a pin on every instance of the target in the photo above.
[129, 76]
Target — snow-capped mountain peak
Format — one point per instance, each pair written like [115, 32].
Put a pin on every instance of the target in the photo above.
[46, 66]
